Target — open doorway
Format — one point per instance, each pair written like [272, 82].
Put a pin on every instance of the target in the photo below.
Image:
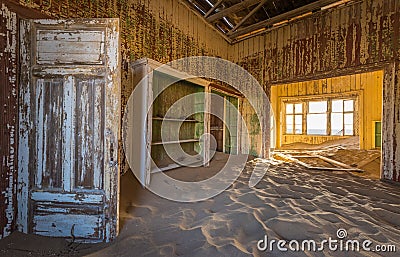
[338, 118]
[224, 122]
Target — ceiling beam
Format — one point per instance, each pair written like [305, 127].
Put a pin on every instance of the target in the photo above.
[247, 16]
[232, 9]
[213, 8]
[189, 6]
[282, 17]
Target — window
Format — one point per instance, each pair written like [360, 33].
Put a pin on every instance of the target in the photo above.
[294, 118]
[317, 117]
[326, 116]
[342, 118]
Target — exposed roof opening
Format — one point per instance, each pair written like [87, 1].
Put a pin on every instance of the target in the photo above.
[240, 19]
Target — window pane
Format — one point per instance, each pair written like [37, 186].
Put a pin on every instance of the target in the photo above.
[336, 124]
[349, 105]
[298, 120]
[316, 124]
[298, 129]
[289, 108]
[348, 130]
[318, 107]
[337, 106]
[298, 108]
[289, 119]
[289, 129]
[348, 119]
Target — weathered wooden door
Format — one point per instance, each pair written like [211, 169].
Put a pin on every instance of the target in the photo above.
[69, 127]
[216, 121]
[231, 122]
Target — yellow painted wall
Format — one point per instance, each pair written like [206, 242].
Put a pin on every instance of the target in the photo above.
[367, 86]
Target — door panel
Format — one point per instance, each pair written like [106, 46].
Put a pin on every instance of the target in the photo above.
[217, 131]
[231, 119]
[69, 127]
[89, 111]
[72, 47]
[216, 120]
[49, 105]
[56, 225]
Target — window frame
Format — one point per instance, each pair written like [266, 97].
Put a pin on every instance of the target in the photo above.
[318, 113]
[294, 114]
[305, 111]
[344, 112]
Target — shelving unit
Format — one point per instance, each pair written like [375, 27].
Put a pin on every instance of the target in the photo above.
[172, 119]
[175, 121]
[176, 142]
[178, 111]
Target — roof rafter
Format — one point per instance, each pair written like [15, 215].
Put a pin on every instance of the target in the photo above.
[282, 17]
[233, 9]
[255, 9]
[213, 8]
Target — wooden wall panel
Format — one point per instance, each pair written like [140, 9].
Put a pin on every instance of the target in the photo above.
[9, 118]
[9, 38]
[328, 43]
[391, 124]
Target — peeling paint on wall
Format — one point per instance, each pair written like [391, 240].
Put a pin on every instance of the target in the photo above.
[391, 139]
[364, 33]
[9, 112]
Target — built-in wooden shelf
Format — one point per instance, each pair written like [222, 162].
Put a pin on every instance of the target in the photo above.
[174, 119]
[175, 165]
[188, 121]
[175, 142]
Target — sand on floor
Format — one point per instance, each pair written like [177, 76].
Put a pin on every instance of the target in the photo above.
[346, 151]
[290, 203]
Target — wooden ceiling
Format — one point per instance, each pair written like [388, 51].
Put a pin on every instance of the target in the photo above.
[240, 19]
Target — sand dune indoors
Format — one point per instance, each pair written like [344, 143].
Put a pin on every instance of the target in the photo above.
[290, 203]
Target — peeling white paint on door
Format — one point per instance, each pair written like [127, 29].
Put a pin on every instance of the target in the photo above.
[70, 118]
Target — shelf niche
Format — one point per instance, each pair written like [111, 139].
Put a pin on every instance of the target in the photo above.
[175, 121]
